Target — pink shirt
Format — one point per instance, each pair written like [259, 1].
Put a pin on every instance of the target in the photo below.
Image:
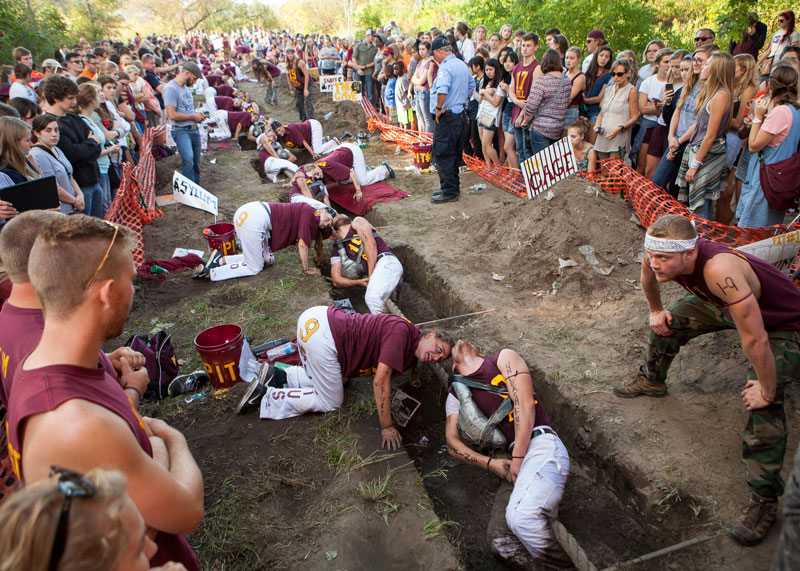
[778, 122]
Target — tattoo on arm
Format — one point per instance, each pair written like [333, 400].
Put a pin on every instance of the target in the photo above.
[729, 284]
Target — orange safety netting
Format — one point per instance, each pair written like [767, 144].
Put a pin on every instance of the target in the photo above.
[649, 201]
[134, 205]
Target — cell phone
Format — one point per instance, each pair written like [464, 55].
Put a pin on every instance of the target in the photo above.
[668, 87]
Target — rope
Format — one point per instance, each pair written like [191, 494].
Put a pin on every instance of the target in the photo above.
[570, 545]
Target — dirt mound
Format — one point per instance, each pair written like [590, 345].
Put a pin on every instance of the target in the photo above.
[347, 116]
[591, 231]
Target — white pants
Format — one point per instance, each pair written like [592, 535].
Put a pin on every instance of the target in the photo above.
[385, 277]
[317, 385]
[312, 201]
[364, 176]
[273, 167]
[253, 228]
[320, 147]
[537, 492]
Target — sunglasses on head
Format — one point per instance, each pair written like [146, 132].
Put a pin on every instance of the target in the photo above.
[702, 38]
[617, 73]
[72, 485]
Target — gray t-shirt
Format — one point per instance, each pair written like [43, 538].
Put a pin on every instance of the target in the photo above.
[179, 97]
[57, 166]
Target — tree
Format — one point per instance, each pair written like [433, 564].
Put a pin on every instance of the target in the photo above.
[94, 19]
[39, 27]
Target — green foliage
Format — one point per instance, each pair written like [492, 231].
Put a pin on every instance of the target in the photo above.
[94, 19]
[370, 16]
[40, 29]
[237, 15]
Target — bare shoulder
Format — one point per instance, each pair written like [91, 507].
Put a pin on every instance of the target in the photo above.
[729, 276]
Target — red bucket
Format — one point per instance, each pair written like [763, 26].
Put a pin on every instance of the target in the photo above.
[220, 348]
[422, 155]
[221, 237]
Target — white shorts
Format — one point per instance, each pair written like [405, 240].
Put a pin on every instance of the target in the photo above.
[537, 492]
[364, 176]
[317, 385]
[253, 228]
[385, 277]
[273, 167]
[319, 146]
[312, 201]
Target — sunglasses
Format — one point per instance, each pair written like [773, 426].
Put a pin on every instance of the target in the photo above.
[781, 20]
[105, 257]
[72, 485]
[702, 38]
[589, 40]
[617, 73]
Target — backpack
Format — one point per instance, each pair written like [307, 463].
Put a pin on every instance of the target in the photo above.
[162, 365]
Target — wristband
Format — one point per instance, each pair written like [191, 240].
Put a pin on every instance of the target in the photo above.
[765, 398]
[622, 127]
[518, 456]
[489, 462]
[696, 164]
[141, 396]
[388, 426]
[756, 121]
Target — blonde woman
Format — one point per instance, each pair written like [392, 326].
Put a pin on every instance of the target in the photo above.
[649, 65]
[70, 521]
[704, 170]
[15, 145]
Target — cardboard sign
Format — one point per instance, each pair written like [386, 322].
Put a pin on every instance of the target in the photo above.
[347, 91]
[326, 82]
[778, 250]
[187, 192]
[548, 166]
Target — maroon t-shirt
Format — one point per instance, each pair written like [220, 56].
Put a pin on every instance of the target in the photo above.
[223, 102]
[225, 90]
[41, 390]
[20, 331]
[336, 166]
[489, 402]
[523, 79]
[364, 340]
[291, 222]
[242, 118]
[214, 79]
[273, 69]
[296, 133]
[354, 244]
[780, 299]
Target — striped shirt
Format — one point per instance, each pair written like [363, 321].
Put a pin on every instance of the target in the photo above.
[548, 105]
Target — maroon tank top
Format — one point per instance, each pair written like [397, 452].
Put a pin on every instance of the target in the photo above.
[780, 299]
[295, 134]
[354, 244]
[488, 402]
[41, 390]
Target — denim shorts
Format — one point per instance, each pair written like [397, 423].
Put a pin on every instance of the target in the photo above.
[508, 126]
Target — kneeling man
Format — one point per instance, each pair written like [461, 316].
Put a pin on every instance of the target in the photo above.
[334, 345]
[479, 405]
[361, 258]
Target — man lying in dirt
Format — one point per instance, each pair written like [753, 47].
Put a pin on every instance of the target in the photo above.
[334, 345]
[360, 257]
[263, 228]
[306, 135]
[344, 166]
[66, 411]
[728, 289]
[479, 410]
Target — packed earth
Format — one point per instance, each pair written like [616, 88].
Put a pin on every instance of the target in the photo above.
[651, 483]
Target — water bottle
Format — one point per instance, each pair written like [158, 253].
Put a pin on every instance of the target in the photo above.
[155, 269]
[281, 351]
[328, 116]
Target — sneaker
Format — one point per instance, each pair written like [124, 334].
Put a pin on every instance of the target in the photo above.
[187, 383]
[757, 517]
[257, 389]
[347, 135]
[269, 259]
[640, 385]
[388, 168]
[214, 260]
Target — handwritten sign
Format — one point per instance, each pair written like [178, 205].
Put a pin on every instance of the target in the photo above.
[347, 91]
[548, 166]
[326, 82]
[777, 250]
[191, 194]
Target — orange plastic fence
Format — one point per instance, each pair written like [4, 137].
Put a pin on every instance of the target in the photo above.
[134, 205]
[649, 201]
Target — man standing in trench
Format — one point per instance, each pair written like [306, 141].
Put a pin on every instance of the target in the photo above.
[727, 289]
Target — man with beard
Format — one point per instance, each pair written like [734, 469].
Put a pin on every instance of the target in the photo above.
[60, 385]
[179, 105]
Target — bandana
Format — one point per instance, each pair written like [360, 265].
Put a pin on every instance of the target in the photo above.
[668, 244]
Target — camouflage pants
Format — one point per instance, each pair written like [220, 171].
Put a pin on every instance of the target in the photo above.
[764, 442]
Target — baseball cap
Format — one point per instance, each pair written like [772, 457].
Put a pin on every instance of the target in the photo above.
[274, 124]
[193, 68]
[440, 42]
[388, 52]
[387, 28]
[596, 35]
[51, 63]
[370, 33]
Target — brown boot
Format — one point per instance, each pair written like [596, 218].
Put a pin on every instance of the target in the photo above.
[640, 385]
[757, 517]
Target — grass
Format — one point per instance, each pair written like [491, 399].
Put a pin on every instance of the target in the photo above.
[671, 496]
[559, 335]
[434, 528]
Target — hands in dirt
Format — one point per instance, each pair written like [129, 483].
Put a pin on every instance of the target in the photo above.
[502, 469]
[391, 438]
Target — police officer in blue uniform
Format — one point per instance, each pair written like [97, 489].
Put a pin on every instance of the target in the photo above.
[451, 89]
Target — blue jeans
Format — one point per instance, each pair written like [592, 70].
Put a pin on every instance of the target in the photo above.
[188, 142]
[539, 142]
[422, 100]
[105, 183]
[521, 138]
[667, 170]
[366, 85]
[93, 199]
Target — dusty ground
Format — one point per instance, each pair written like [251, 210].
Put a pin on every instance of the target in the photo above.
[645, 474]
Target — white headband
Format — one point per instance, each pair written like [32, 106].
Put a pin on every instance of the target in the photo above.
[668, 244]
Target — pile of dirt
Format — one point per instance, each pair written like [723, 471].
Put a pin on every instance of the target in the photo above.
[525, 240]
[347, 116]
